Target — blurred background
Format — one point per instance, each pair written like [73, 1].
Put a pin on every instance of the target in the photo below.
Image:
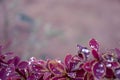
[53, 28]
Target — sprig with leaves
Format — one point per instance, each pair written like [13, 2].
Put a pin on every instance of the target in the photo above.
[87, 64]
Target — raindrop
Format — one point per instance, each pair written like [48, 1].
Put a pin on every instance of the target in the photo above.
[97, 70]
[101, 65]
[102, 71]
[109, 65]
[85, 50]
[7, 74]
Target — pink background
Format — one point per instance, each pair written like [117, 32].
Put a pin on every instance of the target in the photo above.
[53, 28]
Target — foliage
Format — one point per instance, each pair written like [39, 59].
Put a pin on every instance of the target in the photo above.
[87, 64]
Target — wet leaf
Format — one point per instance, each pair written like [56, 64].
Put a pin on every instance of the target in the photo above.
[99, 70]
[56, 67]
[94, 44]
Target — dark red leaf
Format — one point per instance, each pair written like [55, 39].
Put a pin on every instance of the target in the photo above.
[23, 65]
[117, 73]
[109, 73]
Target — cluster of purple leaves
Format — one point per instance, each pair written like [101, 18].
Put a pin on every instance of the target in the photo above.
[87, 64]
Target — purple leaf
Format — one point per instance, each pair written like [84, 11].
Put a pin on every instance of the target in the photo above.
[99, 70]
[56, 67]
[84, 51]
[3, 74]
[47, 76]
[73, 65]
[115, 64]
[95, 54]
[80, 47]
[88, 76]
[77, 58]
[23, 65]
[15, 60]
[36, 67]
[112, 64]
[94, 44]
[80, 73]
[7, 72]
[71, 75]
[81, 57]
[109, 57]
[117, 73]
[67, 60]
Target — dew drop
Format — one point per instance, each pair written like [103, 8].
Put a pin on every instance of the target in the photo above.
[84, 50]
[109, 65]
[101, 65]
[102, 71]
[7, 74]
